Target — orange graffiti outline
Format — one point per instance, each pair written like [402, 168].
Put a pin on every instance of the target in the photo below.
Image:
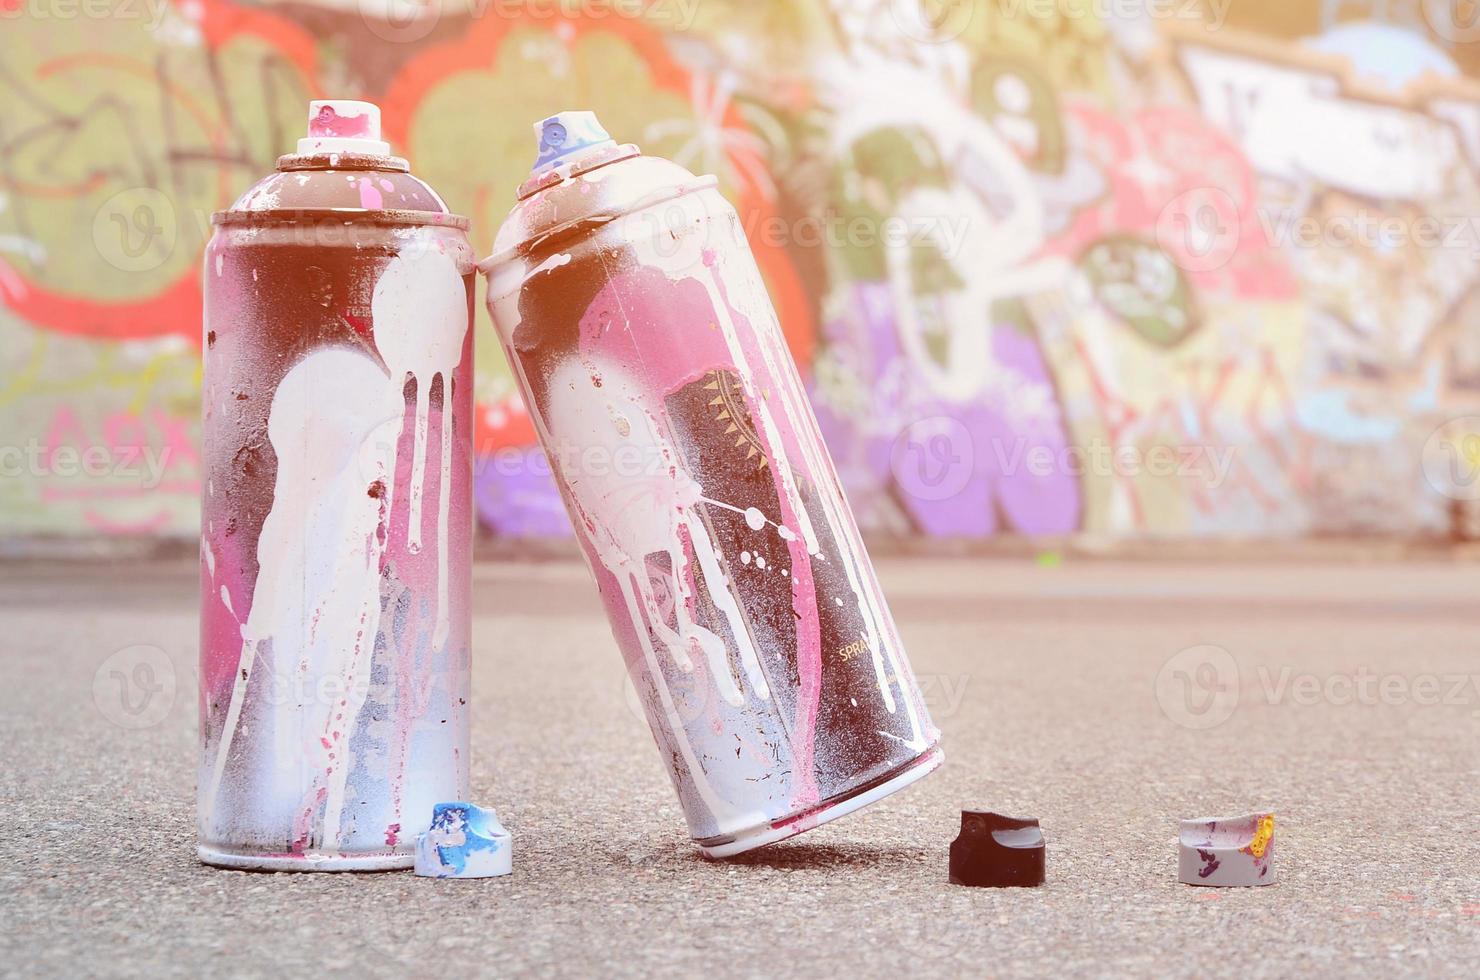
[175, 308]
[478, 50]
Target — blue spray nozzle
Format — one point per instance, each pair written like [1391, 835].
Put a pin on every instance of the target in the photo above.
[566, 134]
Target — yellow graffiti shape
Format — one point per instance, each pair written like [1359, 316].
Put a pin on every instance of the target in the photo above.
[534, 73]
[116, 145]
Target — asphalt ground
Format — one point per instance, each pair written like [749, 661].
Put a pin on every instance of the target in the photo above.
[1109, 699]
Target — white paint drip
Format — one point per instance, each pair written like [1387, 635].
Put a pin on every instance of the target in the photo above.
[722, 592]
[322, 528]
[637, 517]
[335, 423]
[839, 521]
[421, 320]
[755, 519]
[860, 575]
[549, 265]
[505, 297]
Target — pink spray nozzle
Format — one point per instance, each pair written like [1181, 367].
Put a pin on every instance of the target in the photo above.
[343, 126]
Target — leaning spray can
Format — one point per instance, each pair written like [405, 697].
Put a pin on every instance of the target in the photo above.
[336, 509]
[650, 359]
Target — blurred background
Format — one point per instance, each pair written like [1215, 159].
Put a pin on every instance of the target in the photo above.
[1055, 271]
[1192, 280]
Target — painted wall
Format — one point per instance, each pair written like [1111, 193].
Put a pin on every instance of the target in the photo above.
[1206, 269]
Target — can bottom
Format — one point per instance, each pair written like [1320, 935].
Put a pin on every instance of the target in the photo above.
[839, 806]
[257, 861]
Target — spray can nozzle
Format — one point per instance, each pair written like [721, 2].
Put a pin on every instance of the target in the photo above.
[343, 126]
[566, 135]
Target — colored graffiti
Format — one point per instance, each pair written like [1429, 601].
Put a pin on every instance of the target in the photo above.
[117, 140]
[100, 437]
[1192, 367]
[1045, 274]
[519, 69]
[116, 145]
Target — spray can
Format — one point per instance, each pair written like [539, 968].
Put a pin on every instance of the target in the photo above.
[336, 509]
[738, 589]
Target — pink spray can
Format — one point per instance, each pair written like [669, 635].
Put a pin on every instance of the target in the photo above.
[336, 510]
[738, 589]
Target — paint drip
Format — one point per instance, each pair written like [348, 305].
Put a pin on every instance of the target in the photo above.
[692, 469]
[334, 619]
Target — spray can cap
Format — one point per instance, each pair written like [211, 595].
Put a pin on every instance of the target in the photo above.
[566, 135]
[343, 126]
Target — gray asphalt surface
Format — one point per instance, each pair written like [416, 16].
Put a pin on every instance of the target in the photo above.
[1044, 680]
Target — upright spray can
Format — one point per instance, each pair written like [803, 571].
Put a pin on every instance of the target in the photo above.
[337, 509]
[737, 586]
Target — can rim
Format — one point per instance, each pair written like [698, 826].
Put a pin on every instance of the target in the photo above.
[560, 231]
[290, 162]
[583, 165]
[292, 216]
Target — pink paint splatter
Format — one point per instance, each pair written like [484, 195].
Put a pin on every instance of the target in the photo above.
[670, 359]
[330, 123]
[370, 198]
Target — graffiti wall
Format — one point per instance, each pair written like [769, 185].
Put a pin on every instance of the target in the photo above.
[1168, 268]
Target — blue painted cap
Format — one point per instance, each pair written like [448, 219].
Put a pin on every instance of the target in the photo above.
[566, 135]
